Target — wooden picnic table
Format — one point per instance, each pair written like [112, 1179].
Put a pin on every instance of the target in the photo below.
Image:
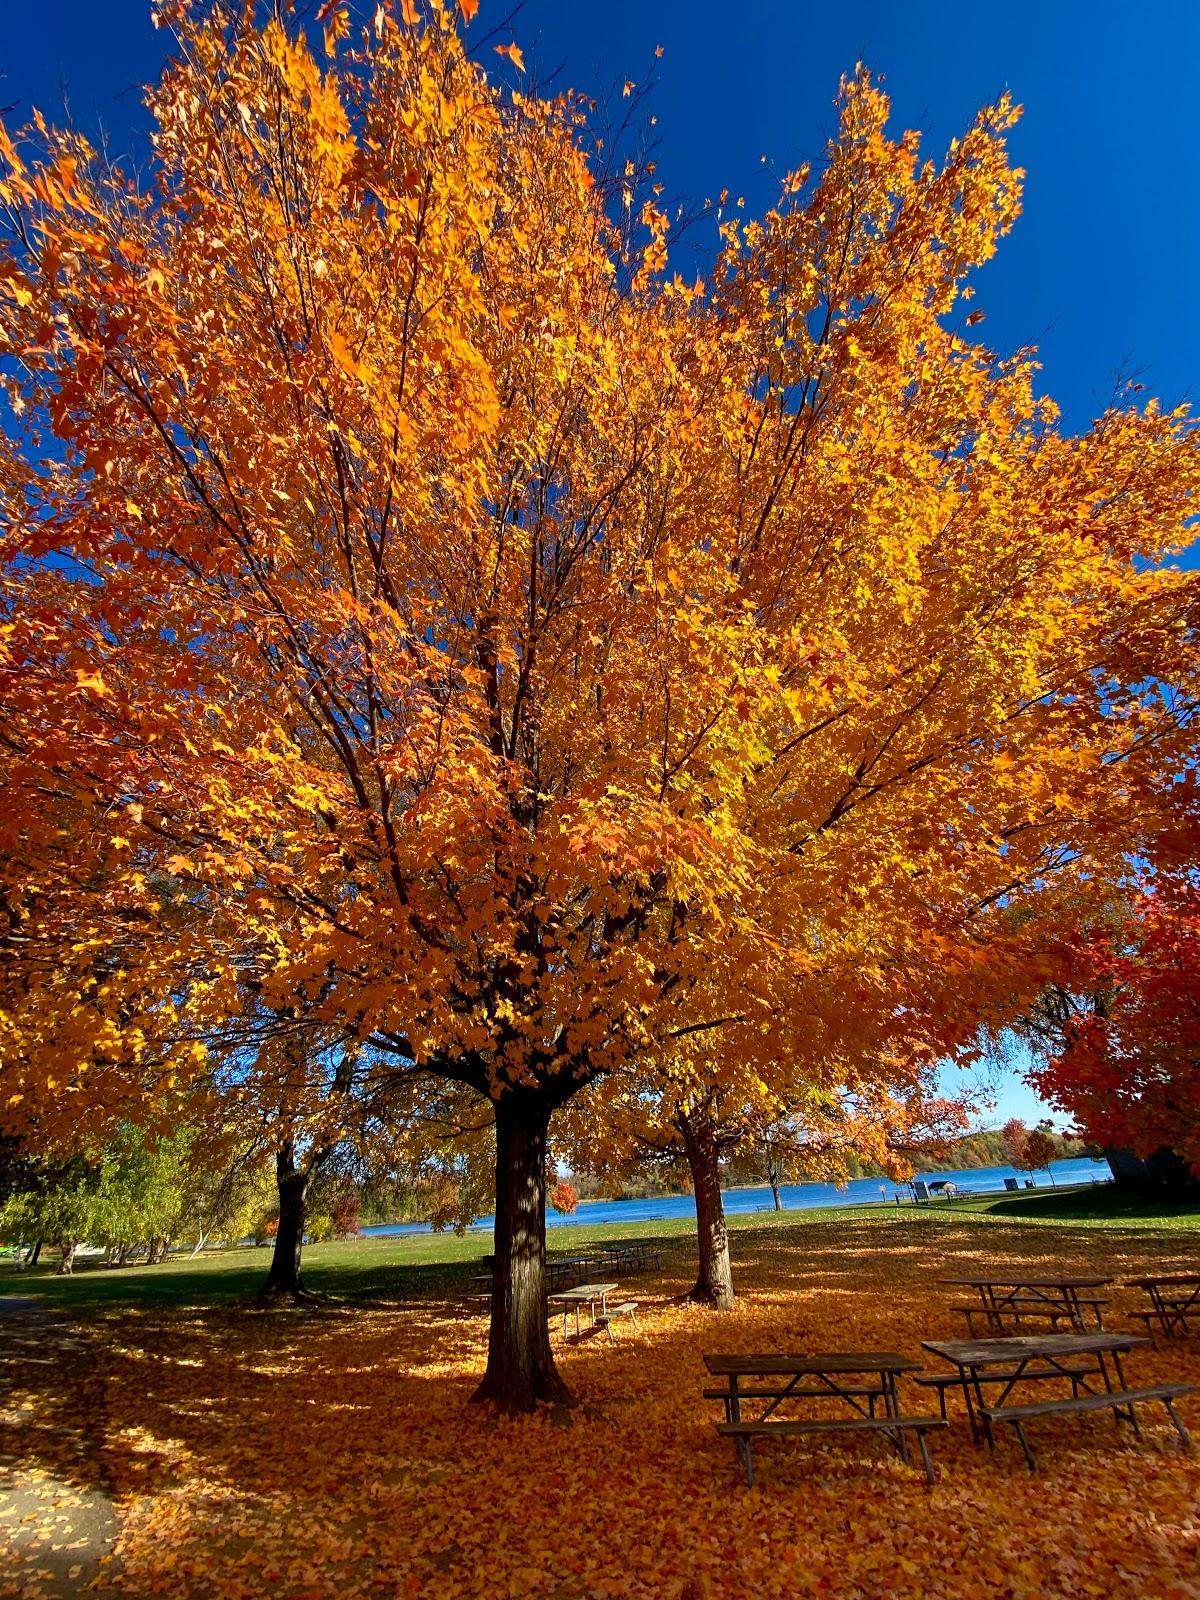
[1018, 1297]
[584, 1294]
[859, 1378]
[560, 1267]
[634, 1254]
[1002, 1364]
[1174, 1297]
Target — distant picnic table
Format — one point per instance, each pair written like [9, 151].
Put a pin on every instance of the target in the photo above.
[862, 1379]
[1174, 1298]
[1004, 1364]
[595, 1297]
[1020, 1297]
[561, 1269]
[633, 1255]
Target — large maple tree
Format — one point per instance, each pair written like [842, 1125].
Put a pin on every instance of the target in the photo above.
[425, 608]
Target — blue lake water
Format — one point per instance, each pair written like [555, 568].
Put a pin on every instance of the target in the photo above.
[795, 1196]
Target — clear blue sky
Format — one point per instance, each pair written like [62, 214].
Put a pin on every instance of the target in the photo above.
[1101, 269]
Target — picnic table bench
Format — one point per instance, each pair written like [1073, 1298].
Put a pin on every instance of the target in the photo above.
[1019, 1298]
[1009, 1361]
[859, 1378]
[1174, 1298]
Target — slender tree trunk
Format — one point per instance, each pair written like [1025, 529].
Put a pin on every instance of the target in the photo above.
[773, 1180]
[66, 1251]
[520, 1364]
[714, 1280]
[35, 1250]
[284, 1276]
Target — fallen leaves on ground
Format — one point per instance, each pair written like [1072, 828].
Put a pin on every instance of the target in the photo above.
[305, 1455]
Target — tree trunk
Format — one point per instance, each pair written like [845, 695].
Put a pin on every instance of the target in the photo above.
[35, 1250]
[714, 1280]
[284, 1276]
[66, 1251]
[520, 1364]
[774, 1182]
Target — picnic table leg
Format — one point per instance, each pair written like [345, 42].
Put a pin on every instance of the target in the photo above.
[1029, 1456]
[1165, 1315]
[1178, 1421]
[976, 1436]
[891, 1404]
[746, 1444]
[929, 1478]
[1130, 1411]
[984, 1420]
[1075, 1310]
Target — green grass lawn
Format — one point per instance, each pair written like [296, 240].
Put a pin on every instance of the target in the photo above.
[420, 1266]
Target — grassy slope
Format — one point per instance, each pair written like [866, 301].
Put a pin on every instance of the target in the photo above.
[419, 1266]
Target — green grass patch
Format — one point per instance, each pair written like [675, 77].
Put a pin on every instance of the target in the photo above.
[438, 1266]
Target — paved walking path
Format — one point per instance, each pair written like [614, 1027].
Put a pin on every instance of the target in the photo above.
[57, 1524]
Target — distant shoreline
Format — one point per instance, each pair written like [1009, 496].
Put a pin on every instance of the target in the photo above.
[744, 1199]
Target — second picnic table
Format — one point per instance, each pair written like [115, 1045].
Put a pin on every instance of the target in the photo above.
[1174, 1297]
[1002, 1364]
[860, 1378]
[1020, 1296]
[584, 1294]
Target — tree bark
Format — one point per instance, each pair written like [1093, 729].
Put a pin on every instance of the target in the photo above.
[714, 1279]
[292, 1181]
[66, 1251]
[773, 1176]
[31, 1260]
[520, 1365]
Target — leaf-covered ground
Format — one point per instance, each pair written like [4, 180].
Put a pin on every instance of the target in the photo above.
[321, 1453]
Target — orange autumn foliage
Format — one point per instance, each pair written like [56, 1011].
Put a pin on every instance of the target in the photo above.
[425, 609]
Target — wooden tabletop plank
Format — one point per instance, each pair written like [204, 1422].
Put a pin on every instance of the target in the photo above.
[1163, 1281]
[1017, 1282]
[777, 1362]
[981, 1352]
